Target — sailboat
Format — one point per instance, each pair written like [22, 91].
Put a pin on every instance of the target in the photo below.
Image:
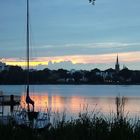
[31, 114]
[29, 117]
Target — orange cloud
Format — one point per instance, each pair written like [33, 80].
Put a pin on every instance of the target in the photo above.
[75, 59]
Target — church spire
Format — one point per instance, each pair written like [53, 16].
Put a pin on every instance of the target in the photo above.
[117, 61]
[117, 65]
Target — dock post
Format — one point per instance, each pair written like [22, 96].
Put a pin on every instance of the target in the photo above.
[2, 104]
[11, 103]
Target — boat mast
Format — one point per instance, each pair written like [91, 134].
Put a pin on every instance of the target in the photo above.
[27, 53]
[28, 45]
[28, 99]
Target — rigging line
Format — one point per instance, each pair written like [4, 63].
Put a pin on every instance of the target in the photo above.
[32, 51]
[28, 99]
[28, 43]
[30, 47]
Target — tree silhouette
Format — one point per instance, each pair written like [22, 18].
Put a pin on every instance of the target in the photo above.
[92, 1]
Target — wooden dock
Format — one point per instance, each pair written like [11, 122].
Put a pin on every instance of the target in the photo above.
[8, 100]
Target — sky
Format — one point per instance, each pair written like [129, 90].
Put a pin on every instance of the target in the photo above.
[71, 34]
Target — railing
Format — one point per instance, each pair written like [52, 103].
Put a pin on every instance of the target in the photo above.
[8, 100]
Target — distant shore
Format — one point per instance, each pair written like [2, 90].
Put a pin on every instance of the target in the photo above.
[71, 84]
[15, 75]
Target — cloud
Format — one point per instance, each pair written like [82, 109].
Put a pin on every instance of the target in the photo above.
[70, 49]
[69, 61]
[86, 48]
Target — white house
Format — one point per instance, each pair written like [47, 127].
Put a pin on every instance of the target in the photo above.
[3, 66]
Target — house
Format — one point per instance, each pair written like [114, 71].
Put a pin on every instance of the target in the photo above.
[3, 66]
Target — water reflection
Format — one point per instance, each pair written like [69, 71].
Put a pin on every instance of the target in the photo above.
[75, 104]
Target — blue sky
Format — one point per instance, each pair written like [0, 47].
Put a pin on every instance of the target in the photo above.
[72, 31]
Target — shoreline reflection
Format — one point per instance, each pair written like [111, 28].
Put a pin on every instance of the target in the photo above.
[73, 105]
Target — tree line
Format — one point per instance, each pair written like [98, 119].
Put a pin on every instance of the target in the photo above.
[17, 75]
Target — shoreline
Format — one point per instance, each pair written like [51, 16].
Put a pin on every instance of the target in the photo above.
[71, 84]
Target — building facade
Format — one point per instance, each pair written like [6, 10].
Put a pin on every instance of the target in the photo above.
[3, 66]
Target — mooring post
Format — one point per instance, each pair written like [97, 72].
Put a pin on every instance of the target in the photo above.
[12, 103]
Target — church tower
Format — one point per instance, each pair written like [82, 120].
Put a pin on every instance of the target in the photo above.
[117, 65]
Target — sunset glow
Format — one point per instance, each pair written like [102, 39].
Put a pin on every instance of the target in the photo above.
[71, 34]
[77, 104]
[75, 59]
[41, 102]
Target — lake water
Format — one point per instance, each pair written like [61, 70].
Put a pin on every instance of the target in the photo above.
[77, 98]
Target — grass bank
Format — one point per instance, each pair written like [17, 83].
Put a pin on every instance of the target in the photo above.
[88, 126]
[85, 127]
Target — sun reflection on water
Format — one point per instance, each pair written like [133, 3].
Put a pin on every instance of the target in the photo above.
[76, 104]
